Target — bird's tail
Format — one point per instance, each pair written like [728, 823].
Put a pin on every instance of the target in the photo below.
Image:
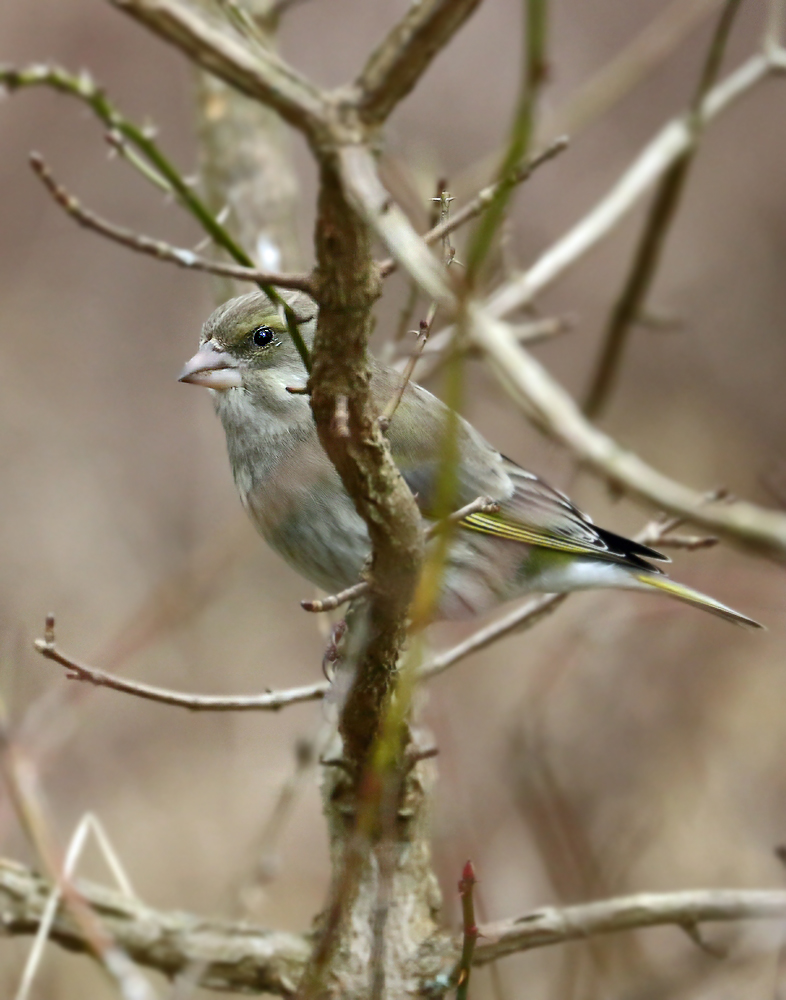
[690, 596]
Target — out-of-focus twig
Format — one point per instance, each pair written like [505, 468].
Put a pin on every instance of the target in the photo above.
[84, 88]
[424, 332]
[470, 932]
[619, 75]
[483, 199]
[88, 824]
[22, 785]
[661, 215]
[556, 413]
[552, 925]
[534, 73]
[654, 160]
[270, 701]
[158, 248]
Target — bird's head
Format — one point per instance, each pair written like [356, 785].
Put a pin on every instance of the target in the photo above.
[245, 346]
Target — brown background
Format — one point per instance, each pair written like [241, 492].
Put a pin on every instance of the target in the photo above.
[628, 744]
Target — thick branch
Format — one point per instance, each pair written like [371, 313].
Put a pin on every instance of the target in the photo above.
[220, 955]
[400, 60]
[554, 925]
[260, 74]
[239, 957]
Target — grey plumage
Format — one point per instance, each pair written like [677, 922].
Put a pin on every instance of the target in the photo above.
[539, 541]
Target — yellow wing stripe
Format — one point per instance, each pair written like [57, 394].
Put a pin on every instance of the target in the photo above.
[490, 524]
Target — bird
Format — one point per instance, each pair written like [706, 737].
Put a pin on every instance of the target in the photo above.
[533, 540]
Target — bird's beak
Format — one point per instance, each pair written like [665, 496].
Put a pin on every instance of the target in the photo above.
[213, 368]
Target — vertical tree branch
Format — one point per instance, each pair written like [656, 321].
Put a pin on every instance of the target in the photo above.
[661, 215]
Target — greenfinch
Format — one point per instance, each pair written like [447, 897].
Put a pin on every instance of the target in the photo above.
[536, 540]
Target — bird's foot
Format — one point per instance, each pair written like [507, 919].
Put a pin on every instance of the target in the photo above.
[333, 650]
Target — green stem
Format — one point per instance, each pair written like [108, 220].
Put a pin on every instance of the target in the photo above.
[533, 77]
[85, 89]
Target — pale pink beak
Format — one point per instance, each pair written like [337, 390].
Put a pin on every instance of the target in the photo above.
[213, 368]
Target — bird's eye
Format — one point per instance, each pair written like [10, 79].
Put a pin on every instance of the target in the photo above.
[263, 336]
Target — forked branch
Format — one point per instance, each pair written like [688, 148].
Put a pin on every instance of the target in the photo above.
[403, 56]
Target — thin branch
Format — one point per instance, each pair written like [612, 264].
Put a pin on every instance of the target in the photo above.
[521, 134]
[660, 218]
[483, 199]
[258, 73]
[481, 505]
[400, 60]
[554, 925]
[661, 152]
[372, 200]
[558, 415]
[336, 600]
[470, 930]
[619, 75]
[448, 254]
[235, 957]
[86, 90]
[522, 617]
[98, 940]
[158, 248]
[270, 701]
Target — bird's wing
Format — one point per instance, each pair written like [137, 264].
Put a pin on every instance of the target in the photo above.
[531, 511]
[537, 514]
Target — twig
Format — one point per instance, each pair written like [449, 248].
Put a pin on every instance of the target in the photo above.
[470, 934]
[552, 925]
[336, 600]
[22, 784]
[619, 75]
[480, 505]
[483, 199]
[87, 824]
[409, 369]
[558, 415]
[402, 57]
[158, 248]
[270, 701]
[535, 332]
[662, 213]
[660, 153]
[521, 134]
[366, 190]
[523, 616]
[86, 90]
[426, 324]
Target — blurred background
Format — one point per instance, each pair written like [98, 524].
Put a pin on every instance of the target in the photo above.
[626, 744]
